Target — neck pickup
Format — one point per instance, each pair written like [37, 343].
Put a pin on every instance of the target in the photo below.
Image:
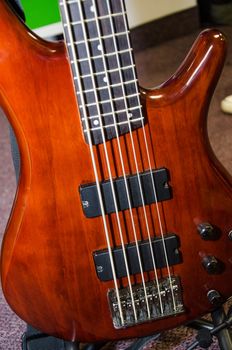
[158, 178]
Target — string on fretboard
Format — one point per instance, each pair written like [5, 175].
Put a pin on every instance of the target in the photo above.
[107, 78]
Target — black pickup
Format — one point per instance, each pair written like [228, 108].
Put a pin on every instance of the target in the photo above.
[102, 260]
[90, 200]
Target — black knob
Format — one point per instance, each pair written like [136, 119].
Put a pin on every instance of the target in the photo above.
[214, 297]
[208, 231]
[211, 264]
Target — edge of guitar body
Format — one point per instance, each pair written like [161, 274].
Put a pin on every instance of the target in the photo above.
[205, 60]
[20, 37]
[58, 308]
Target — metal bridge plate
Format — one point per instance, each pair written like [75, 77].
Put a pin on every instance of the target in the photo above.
[162, 302]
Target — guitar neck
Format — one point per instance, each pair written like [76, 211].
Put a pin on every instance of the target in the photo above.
[97, 37]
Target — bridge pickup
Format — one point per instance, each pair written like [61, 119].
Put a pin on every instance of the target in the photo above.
[90, 200]
[103, 266]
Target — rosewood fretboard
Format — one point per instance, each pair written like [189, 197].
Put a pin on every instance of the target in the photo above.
[97, 38]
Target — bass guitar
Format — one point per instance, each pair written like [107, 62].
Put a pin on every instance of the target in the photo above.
[121, 224]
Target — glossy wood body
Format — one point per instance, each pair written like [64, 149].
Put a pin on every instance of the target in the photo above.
[47, 270]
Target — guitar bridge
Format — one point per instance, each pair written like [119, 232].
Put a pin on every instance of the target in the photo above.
[162, 302]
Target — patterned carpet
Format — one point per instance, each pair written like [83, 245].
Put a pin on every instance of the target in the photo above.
[154, 66]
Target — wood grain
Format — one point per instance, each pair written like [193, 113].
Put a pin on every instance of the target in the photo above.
[47, 269]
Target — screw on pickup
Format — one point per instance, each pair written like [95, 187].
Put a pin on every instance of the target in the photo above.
[102, 259]
[89, 192]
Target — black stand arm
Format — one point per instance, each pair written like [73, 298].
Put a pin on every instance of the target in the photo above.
[224, 335]
[221, 328]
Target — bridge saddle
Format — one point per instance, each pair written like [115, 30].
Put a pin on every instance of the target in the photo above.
[155, 300]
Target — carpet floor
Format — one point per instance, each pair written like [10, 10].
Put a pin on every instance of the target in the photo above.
[155, 65]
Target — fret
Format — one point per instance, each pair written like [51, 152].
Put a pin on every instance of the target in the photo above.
[106, 85]
[114, 125]
[103, 72]
[116, 7]
[106, 106]
[93, 19]
[108, 101]
[100, 56]
[102, 37]
[114, 4]
[91, 100]
[114, 99]
[116, 112]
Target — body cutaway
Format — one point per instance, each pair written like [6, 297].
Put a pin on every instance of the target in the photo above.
[47, 268]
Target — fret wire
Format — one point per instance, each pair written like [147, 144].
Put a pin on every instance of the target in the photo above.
[97, 38]
[106, 101]
[84, 66]
[116, 98]
[112, 85]
[104, 72]
[93, 19]
[119, 111]
[114, 125]
[99, 56]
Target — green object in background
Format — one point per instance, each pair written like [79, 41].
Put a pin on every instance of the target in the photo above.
[40, 13]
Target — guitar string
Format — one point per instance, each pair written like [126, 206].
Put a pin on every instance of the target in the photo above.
[107, 158]
[139, 253]
[136, 163]
[121, 159]
[152, 179]
[154, 187]
[66, 14]
[135, 158]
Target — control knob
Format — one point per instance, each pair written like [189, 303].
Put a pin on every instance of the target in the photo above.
[208, 231]
[211, 264]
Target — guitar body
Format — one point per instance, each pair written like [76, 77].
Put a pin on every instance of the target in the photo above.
[47, 269]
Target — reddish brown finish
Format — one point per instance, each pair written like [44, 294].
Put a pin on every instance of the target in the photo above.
[48, 275]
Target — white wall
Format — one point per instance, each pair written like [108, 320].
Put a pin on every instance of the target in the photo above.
[139, 12]
[143, 11]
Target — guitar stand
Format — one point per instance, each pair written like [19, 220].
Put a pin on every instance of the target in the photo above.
[219, 327]
[34, 340]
